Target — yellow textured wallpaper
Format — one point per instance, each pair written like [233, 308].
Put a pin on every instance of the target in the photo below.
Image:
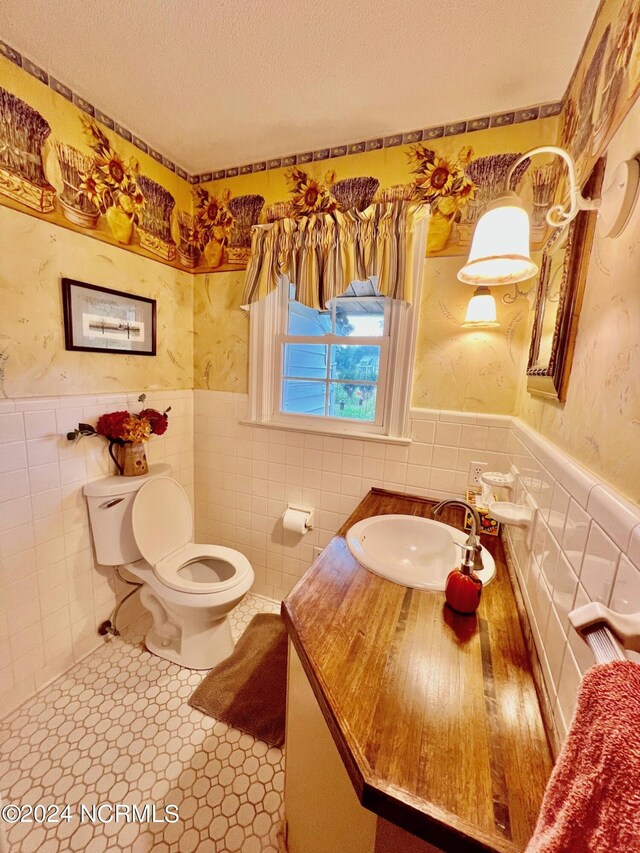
[600, 422]
[221, 333]
[461, 369]
[33, 360]
[455, 368]
[219, 330]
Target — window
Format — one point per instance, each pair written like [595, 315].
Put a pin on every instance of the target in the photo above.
[333, 363]
[344, 370]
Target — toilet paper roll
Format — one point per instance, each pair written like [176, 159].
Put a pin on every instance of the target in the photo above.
[295, 520]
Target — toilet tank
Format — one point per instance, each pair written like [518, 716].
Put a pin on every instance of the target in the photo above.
[110, 501]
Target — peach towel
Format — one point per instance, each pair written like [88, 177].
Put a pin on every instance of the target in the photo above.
[592, 801]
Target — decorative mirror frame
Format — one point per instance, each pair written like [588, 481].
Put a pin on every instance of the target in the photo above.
[551, 380]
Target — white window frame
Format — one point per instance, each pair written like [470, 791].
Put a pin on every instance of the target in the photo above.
[329, 340]
[268, 327]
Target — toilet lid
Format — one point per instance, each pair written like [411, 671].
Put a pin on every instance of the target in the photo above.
[161, 519]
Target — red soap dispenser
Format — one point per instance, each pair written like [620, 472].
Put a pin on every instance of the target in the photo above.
[464, 588]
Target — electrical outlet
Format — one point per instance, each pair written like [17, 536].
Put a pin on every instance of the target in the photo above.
[475, 472]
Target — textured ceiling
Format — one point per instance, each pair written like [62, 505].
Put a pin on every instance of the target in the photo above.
[216, 83]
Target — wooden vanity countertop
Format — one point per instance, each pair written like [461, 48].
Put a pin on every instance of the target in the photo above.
[435, 715]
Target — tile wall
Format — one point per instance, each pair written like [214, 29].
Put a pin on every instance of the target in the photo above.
[585, 544]
[585, 547]
[246, 475]
[52, 596]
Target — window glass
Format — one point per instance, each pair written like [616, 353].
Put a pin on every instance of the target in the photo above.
[307, 322]
[347, 400]
[362, 318]
[305, 361]
[303, 398]
[355, 362]
[336, 377]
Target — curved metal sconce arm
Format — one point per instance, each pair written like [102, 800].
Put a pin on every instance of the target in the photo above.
[510, 298]
[557, 216]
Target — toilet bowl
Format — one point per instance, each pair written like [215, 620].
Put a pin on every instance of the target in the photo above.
[145, 524]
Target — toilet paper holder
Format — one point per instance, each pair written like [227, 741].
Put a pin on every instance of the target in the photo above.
[307, 510]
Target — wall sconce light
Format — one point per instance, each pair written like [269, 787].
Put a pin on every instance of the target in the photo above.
[481, 310]
[500, 251]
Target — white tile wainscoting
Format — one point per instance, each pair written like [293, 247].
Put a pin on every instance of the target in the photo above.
[246, 475]
[585, 547]
[586, 542]
[52, 595]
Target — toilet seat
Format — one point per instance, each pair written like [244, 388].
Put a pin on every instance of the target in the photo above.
[163, 527]
[230, 563]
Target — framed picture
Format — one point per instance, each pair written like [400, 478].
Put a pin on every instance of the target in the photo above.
[97, 319]
[558, 300]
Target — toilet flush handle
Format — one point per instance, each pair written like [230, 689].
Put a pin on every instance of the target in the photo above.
[111, 503]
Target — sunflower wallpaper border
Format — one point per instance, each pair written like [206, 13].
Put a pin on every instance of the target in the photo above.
[605, 84]
[457, 175]
[60, 163]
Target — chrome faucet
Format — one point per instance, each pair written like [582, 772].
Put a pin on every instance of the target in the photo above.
[473, 541]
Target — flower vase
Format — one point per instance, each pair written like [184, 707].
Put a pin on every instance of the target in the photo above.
[213, 253]
[440, 228]
[188, 255]
[130, 458]
[120, 224]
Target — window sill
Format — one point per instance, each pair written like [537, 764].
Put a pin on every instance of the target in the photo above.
[360, 436]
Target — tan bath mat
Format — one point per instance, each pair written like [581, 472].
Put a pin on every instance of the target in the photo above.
[248, 689]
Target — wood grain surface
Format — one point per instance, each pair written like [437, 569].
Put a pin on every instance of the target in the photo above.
[435, 714]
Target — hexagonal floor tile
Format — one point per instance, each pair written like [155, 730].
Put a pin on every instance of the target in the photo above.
[116, 730]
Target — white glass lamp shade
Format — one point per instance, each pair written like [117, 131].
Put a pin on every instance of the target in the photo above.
[481, 310]
[500, 249]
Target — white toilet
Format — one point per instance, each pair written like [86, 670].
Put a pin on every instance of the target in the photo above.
[145, 525]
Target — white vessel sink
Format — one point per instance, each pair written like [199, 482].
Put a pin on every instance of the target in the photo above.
[411, 551]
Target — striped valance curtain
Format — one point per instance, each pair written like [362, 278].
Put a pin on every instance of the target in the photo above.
[322, 253]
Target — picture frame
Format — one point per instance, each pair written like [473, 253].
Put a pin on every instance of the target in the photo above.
[99, 319]
[558, 298]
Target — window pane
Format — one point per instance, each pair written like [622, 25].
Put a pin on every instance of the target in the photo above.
[303, 398]
[307, 321]
[347, 400]
[355, 362]
[306, 361]
[362, 318]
